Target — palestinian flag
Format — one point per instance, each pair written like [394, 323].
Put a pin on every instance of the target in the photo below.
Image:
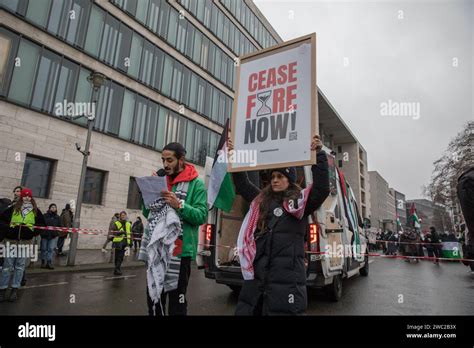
[451, 250]
[221, 193]
[414, 216]
[399, 224]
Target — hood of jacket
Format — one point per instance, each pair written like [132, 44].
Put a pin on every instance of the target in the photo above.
[188, 174]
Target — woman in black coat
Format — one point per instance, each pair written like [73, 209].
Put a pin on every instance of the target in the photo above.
[278, 286]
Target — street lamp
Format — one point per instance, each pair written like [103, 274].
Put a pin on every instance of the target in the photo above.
[97, 80]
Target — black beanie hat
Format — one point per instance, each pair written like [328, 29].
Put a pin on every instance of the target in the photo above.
[289, 172]
[52, 204]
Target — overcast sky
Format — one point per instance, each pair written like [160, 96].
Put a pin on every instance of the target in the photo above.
[370, 52]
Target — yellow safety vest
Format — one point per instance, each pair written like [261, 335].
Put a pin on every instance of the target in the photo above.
[28, 220]
[120, 237]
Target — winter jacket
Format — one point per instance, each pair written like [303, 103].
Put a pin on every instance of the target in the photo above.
[20, 232]
[126, 228]
[279, 287]
[137, 228]
[66, 220]
[193, 213]
[51, 219]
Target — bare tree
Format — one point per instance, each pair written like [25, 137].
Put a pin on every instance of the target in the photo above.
[458, 157]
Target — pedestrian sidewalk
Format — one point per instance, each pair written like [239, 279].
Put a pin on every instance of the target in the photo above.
[86, 260]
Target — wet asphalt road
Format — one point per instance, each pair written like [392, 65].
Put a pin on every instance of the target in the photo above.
[426, 289]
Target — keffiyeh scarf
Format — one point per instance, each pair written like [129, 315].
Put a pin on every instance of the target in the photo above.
[246, 245]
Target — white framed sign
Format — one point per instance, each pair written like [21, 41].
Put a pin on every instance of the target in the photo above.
[275, 112]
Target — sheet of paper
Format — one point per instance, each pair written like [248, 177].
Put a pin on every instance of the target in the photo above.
[151, 187]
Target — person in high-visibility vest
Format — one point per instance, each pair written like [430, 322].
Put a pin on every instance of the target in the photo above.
[122, 240]
[16, 226]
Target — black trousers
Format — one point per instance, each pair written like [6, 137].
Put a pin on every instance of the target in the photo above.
[177, 304]
[136, 244]
[119, 255]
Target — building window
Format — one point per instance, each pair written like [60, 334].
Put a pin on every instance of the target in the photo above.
[37, 174]
[94, 186]
[9, 44]
[94, 31]
[134, 196]
[340, 163]
[339, 149]
[23, 75]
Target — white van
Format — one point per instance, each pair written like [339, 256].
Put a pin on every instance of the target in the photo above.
[334, 225]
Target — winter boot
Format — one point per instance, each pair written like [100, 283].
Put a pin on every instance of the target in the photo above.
[13, 295]
[49, 265]
[43, 264]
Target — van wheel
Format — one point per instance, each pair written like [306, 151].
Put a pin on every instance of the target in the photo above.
[364, 271]
[334, 290]
[235, 289]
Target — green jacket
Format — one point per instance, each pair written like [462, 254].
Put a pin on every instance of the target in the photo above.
[193, 213]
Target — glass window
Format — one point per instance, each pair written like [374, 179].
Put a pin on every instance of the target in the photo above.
[215, 105]
[122, 59]
[181, 39]
[225, 34]
[177, 79]
[211, 56]
[193, 89]
[161, 130]
[58, 17]
[67, 83]
[172, 128]
[152, 124]
[153, 17]
[190, 41]
[142, 10]
[77, 18]
[131, 6]
[8, 49]
[139, 124]
[12, 5]
[214, 15]
[157, 68]
[214, 138]
[147, 63]
[218, 64]
[197, 47]
[24, 73]
[191, 128]
[167, 76]
[200, 12]
[163, 18]
[94, 31]
[38, 11]
[201, 95]
[172, 27]
[94, 186]
[208, 100]
[126, 122]
[185, 88]
[198, 150]
[135, 55]
[181, 129]
[46, 81]
[36, 175]
[204, 52]
[207, 13]
[83, 92]
[109, 40]
[220, 25]
[109, 108]
[134, 197]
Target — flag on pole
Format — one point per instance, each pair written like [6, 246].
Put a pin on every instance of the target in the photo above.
[221, 191]
[414, 216]
[399, 224]
[451, 250]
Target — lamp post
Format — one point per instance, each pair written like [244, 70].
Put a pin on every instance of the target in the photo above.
[97, 80]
